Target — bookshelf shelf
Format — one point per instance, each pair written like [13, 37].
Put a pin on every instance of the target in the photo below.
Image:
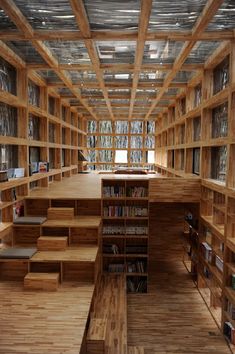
[126, 237]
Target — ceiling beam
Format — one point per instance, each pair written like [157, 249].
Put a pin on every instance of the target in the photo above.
[207, 14]
[116, 67]
[119, 85]
[83, 23]
[146, 7]
[22, 24]
[180, 35]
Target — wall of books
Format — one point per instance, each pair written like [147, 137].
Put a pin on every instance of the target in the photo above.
[120, 143]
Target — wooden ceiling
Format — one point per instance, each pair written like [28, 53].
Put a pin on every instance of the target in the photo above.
[116, 59]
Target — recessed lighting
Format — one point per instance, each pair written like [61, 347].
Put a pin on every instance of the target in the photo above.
[43, 23]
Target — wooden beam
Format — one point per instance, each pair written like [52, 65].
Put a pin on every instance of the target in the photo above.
[10, 56]
[119, 85]
[42, 35]
[208, 13]
[22, 24]
[116, 67]
[146, 6]
[83, 23]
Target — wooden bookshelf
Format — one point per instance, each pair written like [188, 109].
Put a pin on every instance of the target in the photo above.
[125, 228]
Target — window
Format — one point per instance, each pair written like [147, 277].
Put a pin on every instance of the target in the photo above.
[121, 156]
[150, 156]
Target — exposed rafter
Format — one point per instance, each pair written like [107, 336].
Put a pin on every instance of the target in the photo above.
[146, 6]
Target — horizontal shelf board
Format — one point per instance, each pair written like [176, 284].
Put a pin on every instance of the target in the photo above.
[134, 274]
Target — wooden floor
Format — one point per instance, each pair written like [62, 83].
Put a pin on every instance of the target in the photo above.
[39, 322]
[172, 318]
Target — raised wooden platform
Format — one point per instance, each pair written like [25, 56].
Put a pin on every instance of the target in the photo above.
[60, 213]
[79, 222]
[42, 281]
[76, 254]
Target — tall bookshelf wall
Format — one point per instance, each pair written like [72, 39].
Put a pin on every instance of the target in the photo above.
[37, 128]
[134, 140]
[195, 137]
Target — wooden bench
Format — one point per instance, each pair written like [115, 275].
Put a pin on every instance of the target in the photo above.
[41, 281]
[60, 213]
[52, 243]
[135, 350]
[110, 304]
[96, 336]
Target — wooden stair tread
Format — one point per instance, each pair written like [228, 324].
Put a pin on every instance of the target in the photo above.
[91, 222]
[39, 276]
[55, 213]
[53, 238]
[79, 254]
[97, 329]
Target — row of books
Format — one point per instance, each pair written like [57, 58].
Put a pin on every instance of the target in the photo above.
[129, 211]
[114, 191]
[137, 192]
[219, 263]
[136, 286]
[129, 249]
[206, 251]
[136, 230]
[113, 230]
[136, 267]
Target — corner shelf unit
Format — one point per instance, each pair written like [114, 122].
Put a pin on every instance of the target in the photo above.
[125, 229]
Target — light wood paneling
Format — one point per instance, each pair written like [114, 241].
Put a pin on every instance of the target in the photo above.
[179, 190]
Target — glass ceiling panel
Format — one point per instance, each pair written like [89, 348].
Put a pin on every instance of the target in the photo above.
[84, 76]
[201, 51]
[116, 51]
[184, 76]
[152, 75]
[49, 75]
[161, 52]
[118, 76]
[69, 52]
[224, 18]
[178, 15]
[48, 15]
[5, 22]
[26, 51]
[64, 91]
[113, 14]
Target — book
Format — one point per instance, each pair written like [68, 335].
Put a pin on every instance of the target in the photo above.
[43, 166]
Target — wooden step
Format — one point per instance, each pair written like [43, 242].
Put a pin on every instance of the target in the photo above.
[135, 350]
[96, 336]
[41, 281]
[52, 243]
[60, 213]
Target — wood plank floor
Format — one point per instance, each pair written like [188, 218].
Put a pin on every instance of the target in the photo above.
[172, 318]
[41, 322]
